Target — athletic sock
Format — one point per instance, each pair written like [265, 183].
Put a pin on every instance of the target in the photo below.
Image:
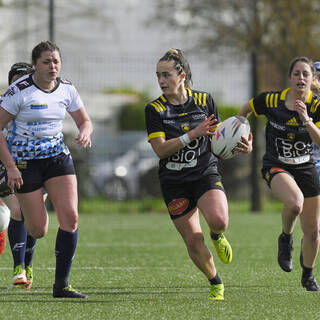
[215, 236]
[286, 236]
[30, 245]
[17, 235]
[215, 280]
[66, 244]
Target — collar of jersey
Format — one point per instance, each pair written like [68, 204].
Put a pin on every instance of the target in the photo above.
[285, 91]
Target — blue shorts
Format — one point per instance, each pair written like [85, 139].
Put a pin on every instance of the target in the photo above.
[35, 172]
[182, 198]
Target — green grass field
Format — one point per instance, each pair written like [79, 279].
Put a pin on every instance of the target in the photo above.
[135, 266]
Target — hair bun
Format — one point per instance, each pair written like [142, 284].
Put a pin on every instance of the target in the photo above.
[173, 51]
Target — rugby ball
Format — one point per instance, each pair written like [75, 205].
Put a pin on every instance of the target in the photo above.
[227, 135]
[4, 217]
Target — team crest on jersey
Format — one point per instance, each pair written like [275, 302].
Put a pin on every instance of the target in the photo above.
[291, 136]
[185, 126]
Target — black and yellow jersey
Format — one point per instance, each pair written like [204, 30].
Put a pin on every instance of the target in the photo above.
[287, 139]
[170, 121]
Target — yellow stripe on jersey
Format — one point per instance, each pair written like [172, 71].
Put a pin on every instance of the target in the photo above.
[183, 114]
[276, 96]
[284, 94]
[158, 106]
[159, 134]
[204, 100]
[309, 97]
[317, 124]
[163, 98]
[314, 106]
[196, 98]
[267, 100]
[272, 100]
[200, 98]
[252, 107]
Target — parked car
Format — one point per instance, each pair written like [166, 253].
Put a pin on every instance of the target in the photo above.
[129, 168]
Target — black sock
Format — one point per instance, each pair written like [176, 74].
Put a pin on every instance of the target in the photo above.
[307, 272]
[31, 244]
[215, 280]
[286, 235]
[215, 236]
[17, 235]
[66, 243]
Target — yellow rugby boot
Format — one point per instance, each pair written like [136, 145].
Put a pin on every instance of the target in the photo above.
[216, 292]
[223, 248]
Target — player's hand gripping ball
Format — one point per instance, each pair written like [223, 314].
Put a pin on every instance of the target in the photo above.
[227, 136]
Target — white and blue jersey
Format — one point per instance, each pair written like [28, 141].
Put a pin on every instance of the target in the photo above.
[36, 130]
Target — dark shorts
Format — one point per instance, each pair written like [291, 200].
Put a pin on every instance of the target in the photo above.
[36, 172]
[181, 198]
[306, 179]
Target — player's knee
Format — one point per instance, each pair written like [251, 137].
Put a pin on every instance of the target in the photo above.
[69, 222]
[296, 207]
[15, 213]
[220, 223]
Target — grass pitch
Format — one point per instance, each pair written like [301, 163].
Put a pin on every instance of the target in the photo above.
[135, 266]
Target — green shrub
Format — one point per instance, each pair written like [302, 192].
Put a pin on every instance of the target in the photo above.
[226, 111]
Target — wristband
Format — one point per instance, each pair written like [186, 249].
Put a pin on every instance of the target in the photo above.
[305, 122]
[185, 139]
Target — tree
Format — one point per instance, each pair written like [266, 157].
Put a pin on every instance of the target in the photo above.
[270, 32]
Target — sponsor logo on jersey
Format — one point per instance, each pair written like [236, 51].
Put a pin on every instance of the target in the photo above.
[277, 126]
[39, 106]
[10, 92]
[23, 84]
[198, 116]
[292, 122]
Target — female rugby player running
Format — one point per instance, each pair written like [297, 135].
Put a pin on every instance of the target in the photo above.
[179, 124]
[293, 119]
[35, 155]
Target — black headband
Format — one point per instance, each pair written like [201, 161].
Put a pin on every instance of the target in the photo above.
[19, 68]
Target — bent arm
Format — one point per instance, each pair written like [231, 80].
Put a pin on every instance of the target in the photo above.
[245, 111]
[84, 124]
[166, 148]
